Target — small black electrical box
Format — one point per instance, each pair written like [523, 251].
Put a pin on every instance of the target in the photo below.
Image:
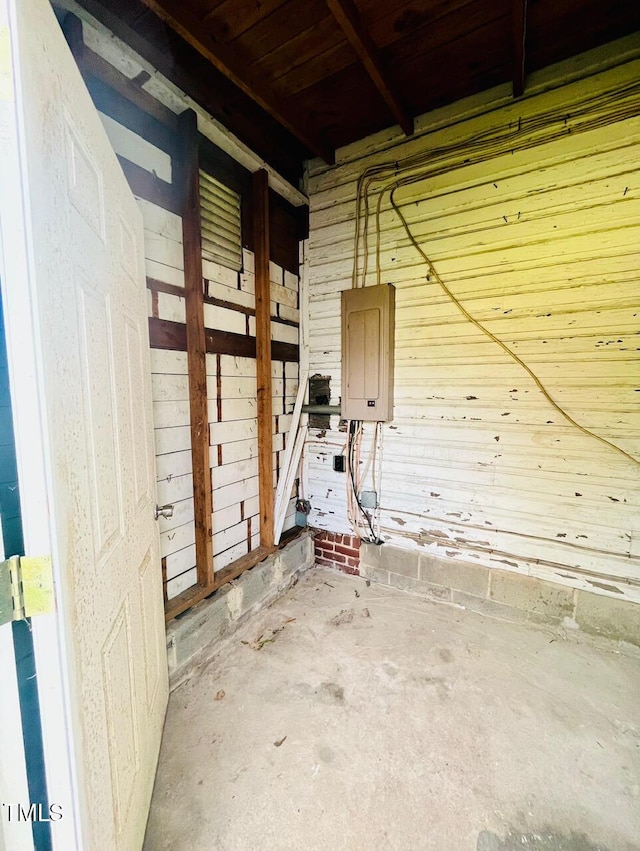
[338, 463]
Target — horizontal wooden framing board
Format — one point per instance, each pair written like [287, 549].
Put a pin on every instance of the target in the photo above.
[118, 87]
[161, 287]
[226, 305]
[164, 334]
[189, 597]
[120, 98]
[146, 185]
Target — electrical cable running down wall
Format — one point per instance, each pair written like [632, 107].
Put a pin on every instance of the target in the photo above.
[361, 517]
[385, 179]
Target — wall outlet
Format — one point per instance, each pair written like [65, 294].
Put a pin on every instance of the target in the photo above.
[339, 463]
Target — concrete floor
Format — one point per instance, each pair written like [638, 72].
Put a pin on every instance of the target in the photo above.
[372, 719]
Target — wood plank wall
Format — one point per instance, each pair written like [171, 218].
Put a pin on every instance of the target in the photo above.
[541, 242]
[229, 314]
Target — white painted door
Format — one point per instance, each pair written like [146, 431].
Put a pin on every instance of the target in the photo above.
[75, 301]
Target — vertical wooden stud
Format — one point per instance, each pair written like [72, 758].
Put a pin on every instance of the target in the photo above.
[263, 354]
[189, 182]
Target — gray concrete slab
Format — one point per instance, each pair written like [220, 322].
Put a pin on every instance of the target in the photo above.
[348, 716]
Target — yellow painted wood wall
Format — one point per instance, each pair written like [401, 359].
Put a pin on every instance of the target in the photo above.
[531, 215]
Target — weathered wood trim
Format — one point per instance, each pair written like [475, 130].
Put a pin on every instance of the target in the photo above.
[160, 287]
[165, 334]
[190, 596]
[229, 305]
[119, 94]
[288, 352]
[196, 347]
[232, 305]
[228, 343]
[196, 593]
[146, 185]
[126, 112]
[233, 570]
[284, 478]
[263, 354]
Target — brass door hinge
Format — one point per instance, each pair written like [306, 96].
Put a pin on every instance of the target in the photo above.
[26, 588]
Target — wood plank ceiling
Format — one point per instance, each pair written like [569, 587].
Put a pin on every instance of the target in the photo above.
[300, 78]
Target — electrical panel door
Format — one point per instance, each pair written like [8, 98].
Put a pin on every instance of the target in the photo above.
[368, 325]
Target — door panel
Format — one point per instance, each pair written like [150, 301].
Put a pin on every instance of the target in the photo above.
[87, 287]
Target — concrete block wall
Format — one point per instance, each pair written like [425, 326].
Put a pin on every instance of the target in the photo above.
[197, 635]
[333, 549]
[500, 593]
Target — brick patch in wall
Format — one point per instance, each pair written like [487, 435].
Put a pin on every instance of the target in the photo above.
[333, 549]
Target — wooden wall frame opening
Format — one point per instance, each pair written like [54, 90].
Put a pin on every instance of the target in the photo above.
[271, 227]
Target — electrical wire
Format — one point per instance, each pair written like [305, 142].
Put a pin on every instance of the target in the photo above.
[388, 177]
[358, 516]
[436, 277]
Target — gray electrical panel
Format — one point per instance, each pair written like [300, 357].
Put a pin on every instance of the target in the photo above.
[368, 333]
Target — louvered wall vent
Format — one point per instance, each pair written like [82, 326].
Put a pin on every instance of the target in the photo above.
[220, 216]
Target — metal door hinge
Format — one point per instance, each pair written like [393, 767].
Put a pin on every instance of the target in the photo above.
[26, 588]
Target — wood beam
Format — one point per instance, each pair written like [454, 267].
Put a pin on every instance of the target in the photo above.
[263, 353]
[146, 185]
[346, 14]
[188, 170]
[519, 31]
[190, 596]
[165, 334]
[192, 30]
[95, 69]
[195, 594]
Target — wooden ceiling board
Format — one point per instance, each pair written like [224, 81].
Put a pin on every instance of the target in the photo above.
[387, 23]
[303, 76]
[293, 57]
[463, 67]
[473, 62]
[454, 28]
[152, 39]
[347, 15]
[353, 87]
[316, 53]
[287, 22]
[558, 29]
[226, 61]
[230, 19]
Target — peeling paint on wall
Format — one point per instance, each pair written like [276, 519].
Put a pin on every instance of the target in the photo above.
[541, 246]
